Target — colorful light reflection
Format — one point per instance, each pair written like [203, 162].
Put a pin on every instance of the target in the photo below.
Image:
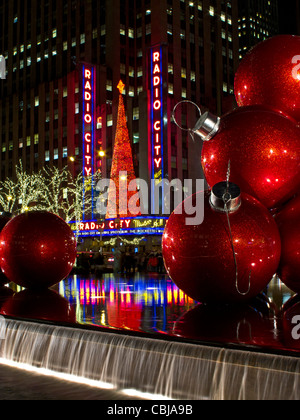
[139, 303]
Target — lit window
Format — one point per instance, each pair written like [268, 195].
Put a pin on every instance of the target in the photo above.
[109, 120]
[54, 33]
[109, 85]
[136, 114]
[47, 155]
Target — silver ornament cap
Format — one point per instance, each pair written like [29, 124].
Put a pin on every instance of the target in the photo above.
[225, 197]
[207, 126]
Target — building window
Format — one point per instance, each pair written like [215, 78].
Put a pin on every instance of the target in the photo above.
[47, 155]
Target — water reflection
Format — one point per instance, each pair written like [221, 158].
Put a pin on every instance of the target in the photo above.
[154, 304]
[137, 303]
[45, 305]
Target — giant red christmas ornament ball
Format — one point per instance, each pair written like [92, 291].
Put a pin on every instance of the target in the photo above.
[4, 219]
[200, 258]
[270, 75]
[290, 323]
[37, 250]
[263, 147]
[288, 221]
[250, 323]
[45, 305]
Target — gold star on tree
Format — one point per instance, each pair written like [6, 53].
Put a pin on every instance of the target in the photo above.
[121, 86]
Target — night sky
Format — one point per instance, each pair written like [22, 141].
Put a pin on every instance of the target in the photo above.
[289, 16]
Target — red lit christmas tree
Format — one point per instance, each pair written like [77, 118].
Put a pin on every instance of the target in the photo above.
[122, 202]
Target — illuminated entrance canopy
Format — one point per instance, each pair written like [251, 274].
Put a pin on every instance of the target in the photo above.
[116, 227]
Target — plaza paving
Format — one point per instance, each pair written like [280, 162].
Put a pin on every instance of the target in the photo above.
[16, 384]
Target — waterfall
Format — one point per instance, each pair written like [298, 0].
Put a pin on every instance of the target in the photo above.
[177, 370]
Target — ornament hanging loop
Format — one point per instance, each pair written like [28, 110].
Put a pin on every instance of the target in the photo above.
[189, 130]
[206, 127]
[227, 198]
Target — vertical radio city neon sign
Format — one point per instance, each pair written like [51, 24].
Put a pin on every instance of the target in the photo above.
[156, 114]
[88, 123]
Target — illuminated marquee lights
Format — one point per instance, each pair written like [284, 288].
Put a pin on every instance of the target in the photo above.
[156, 114]
[88, 121]
[128, 226]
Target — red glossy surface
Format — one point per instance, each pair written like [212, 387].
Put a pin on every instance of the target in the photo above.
[200, 261]
[264, 150]
[42, 305]
[242, 324]
[270, 75]
[288, 221]
[4, 219]
[37, 250]
[290, 320]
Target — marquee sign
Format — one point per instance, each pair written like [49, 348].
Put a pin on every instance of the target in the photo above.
[128, 226]
[156, 114]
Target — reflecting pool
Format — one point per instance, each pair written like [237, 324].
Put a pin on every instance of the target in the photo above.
[153, 304]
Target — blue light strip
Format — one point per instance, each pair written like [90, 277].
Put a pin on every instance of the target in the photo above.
[161, 121]
[83, 142]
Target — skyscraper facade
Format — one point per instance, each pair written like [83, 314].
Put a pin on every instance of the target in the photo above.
[258, 20]
[164, 52]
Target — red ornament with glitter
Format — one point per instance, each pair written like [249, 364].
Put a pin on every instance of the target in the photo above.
[288, 221]
[4, 219]
[37, 250]
[263, 147]
[270, 75]
[39, 304]
[230, 257]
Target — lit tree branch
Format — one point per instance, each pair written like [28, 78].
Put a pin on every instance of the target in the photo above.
[8, 195]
